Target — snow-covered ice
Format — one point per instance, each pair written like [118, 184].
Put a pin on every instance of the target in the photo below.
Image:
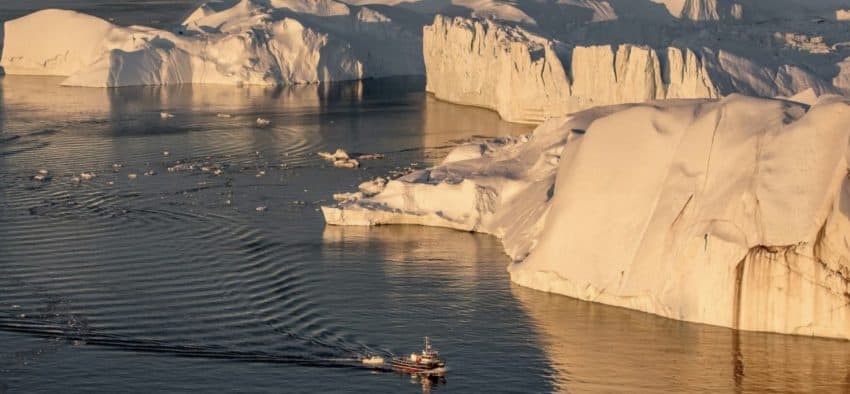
[730, 212]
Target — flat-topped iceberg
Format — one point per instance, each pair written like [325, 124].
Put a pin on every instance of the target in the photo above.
[527, 77]
[732, 212]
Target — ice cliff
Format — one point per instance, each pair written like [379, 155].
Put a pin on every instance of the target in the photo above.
[528, 78]
[253, 42]
[732, 212]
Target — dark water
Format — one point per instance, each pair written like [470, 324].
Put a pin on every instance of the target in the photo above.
[175, 282]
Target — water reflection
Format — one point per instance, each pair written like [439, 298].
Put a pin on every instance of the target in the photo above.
[597, 348]
[356, 115]
[415, 281]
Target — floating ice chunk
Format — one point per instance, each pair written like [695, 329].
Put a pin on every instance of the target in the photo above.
[166, 153]
[131, 176]
[150, 173]
[41, 175]
[260, 173]
[221, 115]
[348, 163]
[261, 208]
[347, 196]
[217, 172]
[87, 176]
[75, 179]
[338, 155]
[263, 122]
[166, 115]
[340, 159]
[117, 166]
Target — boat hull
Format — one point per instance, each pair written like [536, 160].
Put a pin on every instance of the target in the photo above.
[410, 367]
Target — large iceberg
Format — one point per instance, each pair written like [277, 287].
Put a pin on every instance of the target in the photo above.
[732, 212]
[253, 42]
[528, 78]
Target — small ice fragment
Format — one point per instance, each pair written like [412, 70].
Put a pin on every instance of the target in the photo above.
[217, 172]
[348, 163]
[87, 176]
[150, 173]
[166, 115]
[263, 122]
[110, 183]
[131, 176]
[227, 202]
[222, 115]
[15, 306]
[205, 169]
[117, 166]
[347, 196]
[40, 178]
[165, 153]
[261, 208]
[340, 159]
[338, 155]
[43, 172]
[261, 173]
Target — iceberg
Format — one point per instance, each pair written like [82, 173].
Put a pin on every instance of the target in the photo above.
[731, 212]
[253, 42]
[528, 78]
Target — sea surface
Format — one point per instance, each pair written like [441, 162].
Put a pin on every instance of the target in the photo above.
[221, 276]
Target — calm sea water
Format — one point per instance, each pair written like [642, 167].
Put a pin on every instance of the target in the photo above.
[176, 282]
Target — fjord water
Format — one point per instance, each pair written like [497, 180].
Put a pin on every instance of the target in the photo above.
[175, 281]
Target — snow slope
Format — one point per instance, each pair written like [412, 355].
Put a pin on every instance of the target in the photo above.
[732, 212]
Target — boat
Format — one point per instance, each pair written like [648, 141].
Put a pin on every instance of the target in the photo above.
[426, 363]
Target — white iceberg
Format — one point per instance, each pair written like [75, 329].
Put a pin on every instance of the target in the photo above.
[253, 42]
[528, 78]
[733, 212]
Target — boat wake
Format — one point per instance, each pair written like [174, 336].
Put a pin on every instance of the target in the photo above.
[51, 330]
